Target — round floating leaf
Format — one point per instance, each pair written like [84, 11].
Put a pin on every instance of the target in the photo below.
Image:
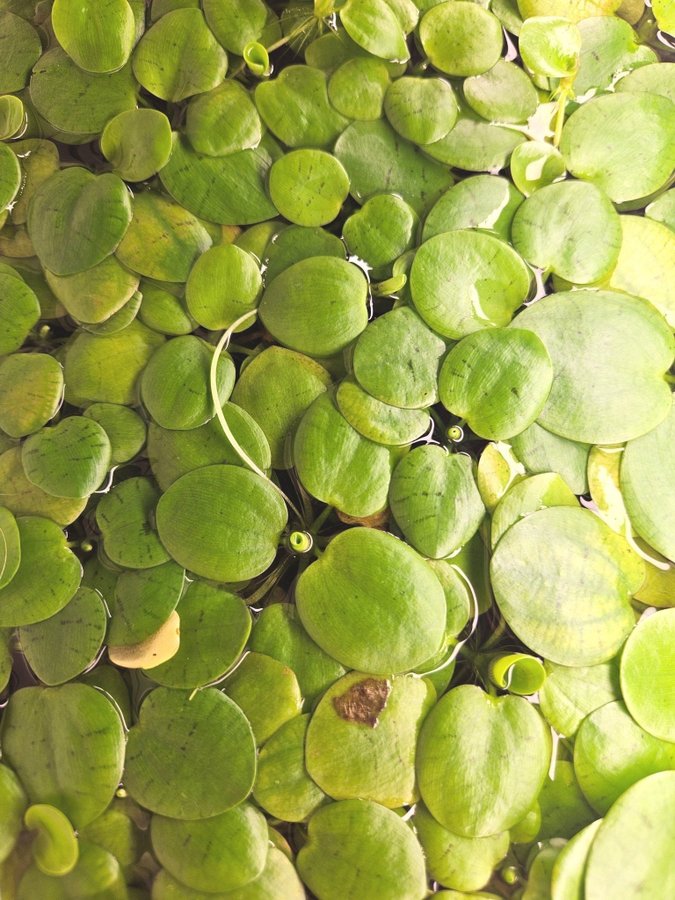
[179, 56]
[70, 459]
[12, 116]
[308, 187]
[106, 368]
[190, 758]
[608, 384]
[536, 164]
[482, 201]
[62, 647]
[174, 453]
[161, 646]
[337, 465]
[317, 306]
[137, 143]
[375, 27]
[279, 633]
[468, 789]
[98, 36]
[162, 311]
[10, 176]
[372, 603]
[23, 498]
[542, 451]
[463, 281]
[356, 88]
[96, 871]
[296, 109]
[461, 38]
[612, 752]
[222, 853]
[66, 744]
[527, 496]
[75, 101]
[654, 78]
[125, 517]
[502, 94]
[48, 575]
[609, 48]
[20, 49]
[235, 23]
[550, 46]
[646, 263]
[95, 295]
[623, 143]
[177, 239]
[570, 694]
[378, 421]
[124, 427]
[462, 863]
[55, 847]
[142, 601]
[571, 229]
[31, 390]
[567, 877]
[223, 121]
[39, 160]
[215, 626]
[175, 383]
[435, 501]
[266, 691]
[229, 190]
[278, 881]
[378, 161]
[282, 786]
[422, 110]
[14, 803]
[223, 284]
[222, 522]
[498, 380]
[362, 736]
[294, 243]
[356, 849]
[563, 808]
[77, 219]
[646, 807]
[575, 551]
[646, 476]
[381, 230]
[19, 312]
[10, 547]
[475, 145]
[396, 359]
[647, 678]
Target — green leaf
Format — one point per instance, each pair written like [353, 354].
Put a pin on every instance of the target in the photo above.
[190, 758]
[574, 550]
[570, 694]
[421, 110]
[536, 164]
[179, 57]
[481, 201]
[374, 26]
[381, 230]
[223, 121]
[124, 427]
[137, 143]
[645, 808]
[502, 94]
[48, 575]
[356, 849]
[23, 498]
[462, 281]
[498, 379]
[20, 49]
[141, 601]
[362, 736]
[647, 677]
[70, 459]
[608, 384]
[435, 501]
[235, 23]
[14, 803]
[230, 541]
[465, 786]
[10, 547]
[221, 853]
[266, 691]
[550, 46]
[19, 312]
[55, 848]
[66, 744]
[98, 36]
[357, 88]
[542, 451]
[372, 603]
[461, 38]
[317, 306]
[308, 187]
[378, 421]
[527, 496]
[125, 518]
[60, 648]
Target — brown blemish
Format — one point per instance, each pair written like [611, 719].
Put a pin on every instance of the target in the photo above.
[364, 701]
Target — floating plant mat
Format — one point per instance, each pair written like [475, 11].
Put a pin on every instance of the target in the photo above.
[337, 506]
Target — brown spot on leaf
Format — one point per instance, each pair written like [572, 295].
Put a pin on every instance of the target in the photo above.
[377, 520]
[364, 701]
